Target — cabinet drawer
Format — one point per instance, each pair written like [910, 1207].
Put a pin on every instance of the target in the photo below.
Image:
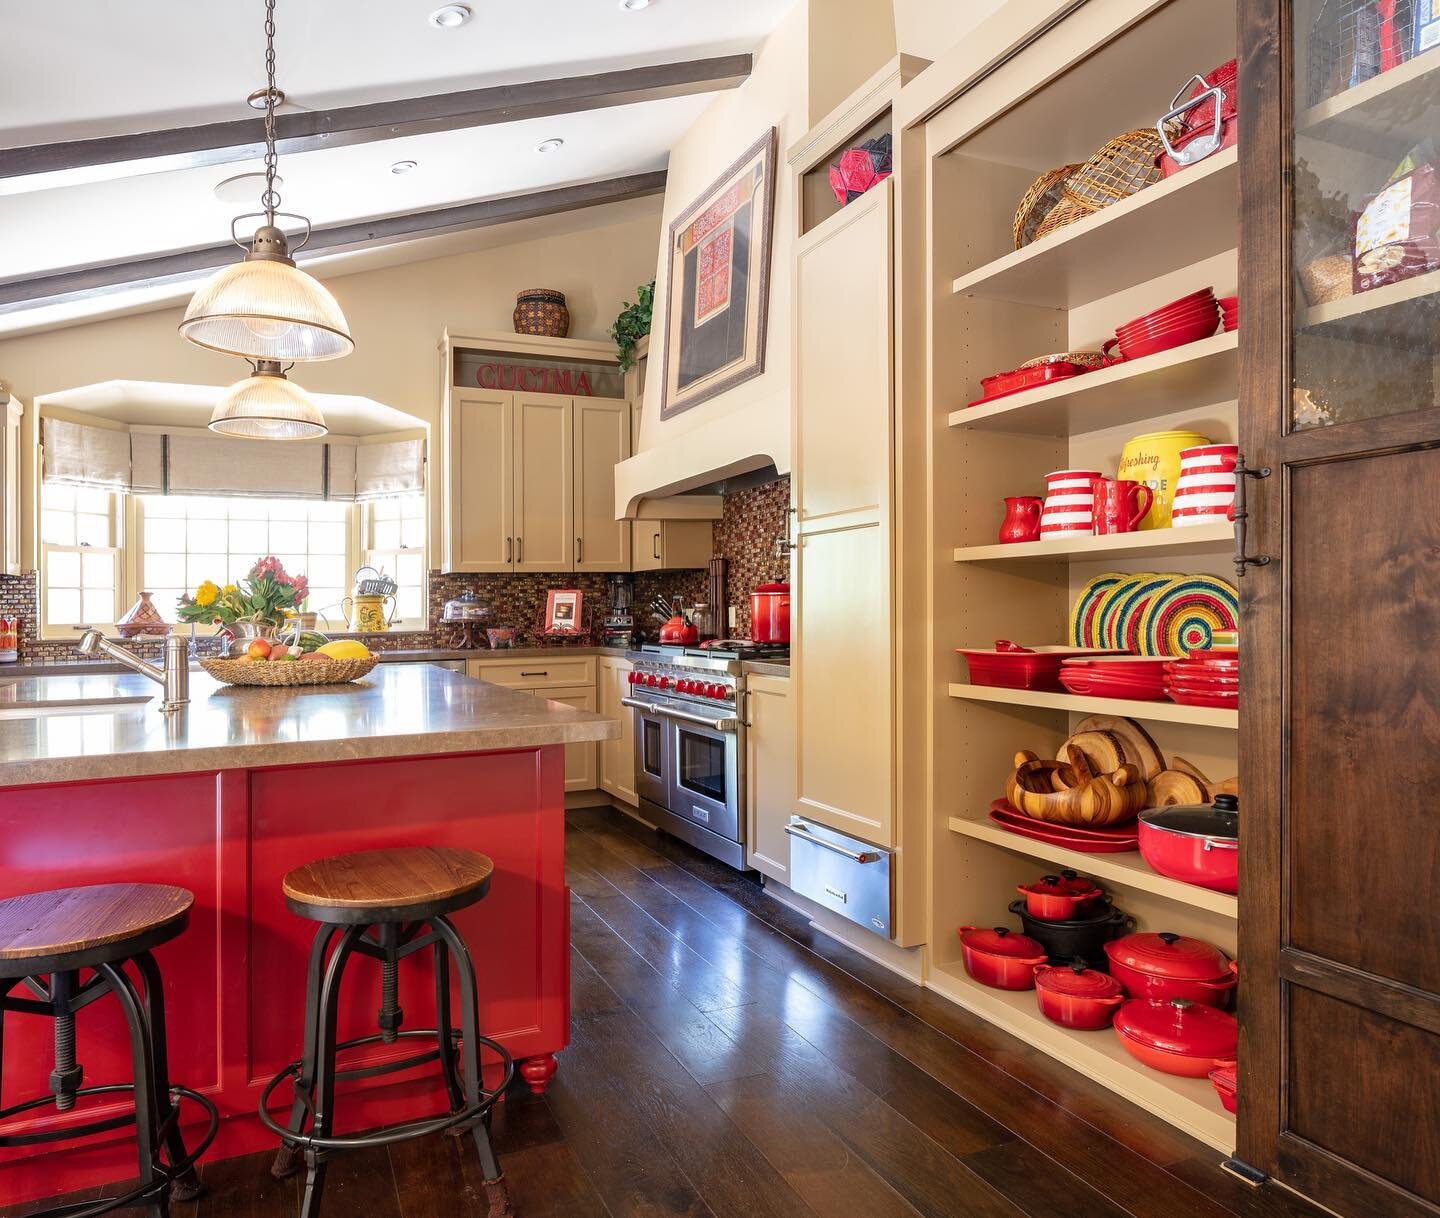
[541, 672]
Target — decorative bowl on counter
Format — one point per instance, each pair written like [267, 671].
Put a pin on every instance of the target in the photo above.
[500, 637]
[281, 676]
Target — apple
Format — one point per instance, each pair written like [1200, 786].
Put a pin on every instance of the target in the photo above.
[258, 649]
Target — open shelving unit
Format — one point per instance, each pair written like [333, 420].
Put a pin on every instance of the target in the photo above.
[1195, 539]
[1154, 712]
[1361, 117]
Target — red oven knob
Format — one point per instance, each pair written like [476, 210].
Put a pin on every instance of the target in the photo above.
[665, 682]
[716, 691]
[652, 680]
[632, 677]
[683, 686]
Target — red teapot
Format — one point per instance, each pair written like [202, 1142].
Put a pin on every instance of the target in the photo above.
[680, 629]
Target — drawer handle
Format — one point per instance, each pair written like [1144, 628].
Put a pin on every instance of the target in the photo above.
[545, 673]
[857, 856]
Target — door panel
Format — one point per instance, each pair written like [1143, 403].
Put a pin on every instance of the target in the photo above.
[479, 507]
[602, 441]
[544, 483]
[769, 773]
[617, 757]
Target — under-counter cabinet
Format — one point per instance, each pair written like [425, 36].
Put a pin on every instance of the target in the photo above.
[558, 678]
[617, 757]
[769, 773]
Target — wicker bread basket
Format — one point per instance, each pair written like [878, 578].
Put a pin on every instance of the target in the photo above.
[1045, 192]
[283, 674]
[1126, 164]
[1067, 211]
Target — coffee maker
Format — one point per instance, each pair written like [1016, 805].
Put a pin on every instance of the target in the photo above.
[619, 627]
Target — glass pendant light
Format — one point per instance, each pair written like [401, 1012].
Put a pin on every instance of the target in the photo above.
[266, 308]
[267, 406]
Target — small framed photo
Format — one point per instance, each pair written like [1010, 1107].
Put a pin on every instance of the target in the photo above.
[562, 610]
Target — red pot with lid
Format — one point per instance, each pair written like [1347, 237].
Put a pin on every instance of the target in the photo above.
[1060, 898]
[1075, 996]
[1167, 965]
[1000, 957]
[1197, 843]
[770, 613]
[1177, 1036]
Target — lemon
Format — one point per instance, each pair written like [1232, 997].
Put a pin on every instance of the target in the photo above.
[345, 649]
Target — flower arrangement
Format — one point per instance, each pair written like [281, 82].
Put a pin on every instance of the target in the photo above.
[263, 597]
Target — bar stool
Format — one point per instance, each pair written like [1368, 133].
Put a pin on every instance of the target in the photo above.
[387, 904]
[46, 940]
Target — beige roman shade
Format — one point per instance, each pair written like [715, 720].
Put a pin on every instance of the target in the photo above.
[80, 455]
[220, 465]
[147, 463]
[377, 471]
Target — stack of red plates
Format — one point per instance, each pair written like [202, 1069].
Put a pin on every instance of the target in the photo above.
[1205, 679]
[1138, 677]
[1182, 321]
[1230, 312]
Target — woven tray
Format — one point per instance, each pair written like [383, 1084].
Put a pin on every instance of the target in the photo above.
[1126, 164]
[283, 674]
[1045, 192]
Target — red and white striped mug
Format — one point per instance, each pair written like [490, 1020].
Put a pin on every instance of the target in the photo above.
[1069, 504]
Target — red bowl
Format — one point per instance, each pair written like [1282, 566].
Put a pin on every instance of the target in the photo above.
[1137, 349]
[1189, 298]
[1195, 317]
[1086, 683]
[1158, 320]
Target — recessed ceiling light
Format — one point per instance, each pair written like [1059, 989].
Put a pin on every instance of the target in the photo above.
[243, 187]
[633, 6]
[552, 145]
[450, 15]
[404, 166]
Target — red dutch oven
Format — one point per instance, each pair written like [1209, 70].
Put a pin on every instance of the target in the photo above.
[770, 613]
[1177, 1036]
[1060, 898]
[1222, 1078]
[1077, 997]
[1166, 966]
[1001, 958]
[1197, 843]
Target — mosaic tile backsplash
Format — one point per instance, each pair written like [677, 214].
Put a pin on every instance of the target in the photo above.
[745, 534]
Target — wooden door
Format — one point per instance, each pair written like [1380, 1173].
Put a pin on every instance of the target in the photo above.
[617, 757]
[1340, 722]
[602, 441]
[769, 773]
[479, 507]
[843, 462]
[544, 483]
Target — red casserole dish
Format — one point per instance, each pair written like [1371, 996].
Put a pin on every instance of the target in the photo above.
[1077, 997]
[1011, 666]
[1222, 1078]
[1000, 957]
[1002, 384]
[1177, 1036]
[1167, 965]
[1059, 898]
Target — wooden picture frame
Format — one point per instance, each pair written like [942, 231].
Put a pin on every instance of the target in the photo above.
[562, 610]
[716, 315]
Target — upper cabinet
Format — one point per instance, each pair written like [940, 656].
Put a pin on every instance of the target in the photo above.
[9, 484]
[544, 483]
[478, 435]
[602, 441]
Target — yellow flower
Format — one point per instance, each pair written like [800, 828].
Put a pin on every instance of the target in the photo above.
[228, 590]
[207, 593]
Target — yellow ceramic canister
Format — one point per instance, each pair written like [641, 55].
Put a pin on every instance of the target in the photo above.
[1154, 459]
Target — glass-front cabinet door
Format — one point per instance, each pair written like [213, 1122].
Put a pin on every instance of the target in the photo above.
[1338, 546]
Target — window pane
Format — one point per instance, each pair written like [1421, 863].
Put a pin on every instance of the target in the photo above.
[92, 530]
[159, 507]
[164, 570]
[412, 534]
[62, 607]
[99, 608]
[58, 495]
[327, 571]
[163, 536]
[387, 535]
[98, 570]
[409, 606]
[409, 568]
[62, 569]
[88, 500]
[205, 566]
[57, 528]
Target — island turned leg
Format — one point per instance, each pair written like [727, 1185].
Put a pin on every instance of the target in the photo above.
[538, 1071]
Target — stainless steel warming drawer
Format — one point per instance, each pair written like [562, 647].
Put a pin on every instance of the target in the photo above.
[842, 873]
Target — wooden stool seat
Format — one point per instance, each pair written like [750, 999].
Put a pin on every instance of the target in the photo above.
[73, 928]
[373, 886]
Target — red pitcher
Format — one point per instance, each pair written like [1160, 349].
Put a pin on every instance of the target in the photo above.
[1022, 518]
[1120, 505]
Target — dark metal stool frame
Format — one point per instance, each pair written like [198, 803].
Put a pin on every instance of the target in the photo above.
[399, 933]
[156, 1114]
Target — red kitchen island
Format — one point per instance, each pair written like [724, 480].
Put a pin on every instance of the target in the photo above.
[224, 798]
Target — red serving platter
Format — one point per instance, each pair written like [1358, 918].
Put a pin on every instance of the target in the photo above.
[1072, 837]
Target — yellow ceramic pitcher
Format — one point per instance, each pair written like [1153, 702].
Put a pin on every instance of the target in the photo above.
[366, 613]
[1154, 459]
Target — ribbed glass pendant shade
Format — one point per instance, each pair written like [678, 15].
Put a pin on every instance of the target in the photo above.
[266, 406]
[267, 309]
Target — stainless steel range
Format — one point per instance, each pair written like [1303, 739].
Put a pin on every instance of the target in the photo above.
[690, 713]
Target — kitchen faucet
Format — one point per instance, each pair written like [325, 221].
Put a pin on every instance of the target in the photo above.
[174, 675]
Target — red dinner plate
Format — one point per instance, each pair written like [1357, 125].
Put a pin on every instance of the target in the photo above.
[1072, 837]
[1083, 682]
[1215, 701]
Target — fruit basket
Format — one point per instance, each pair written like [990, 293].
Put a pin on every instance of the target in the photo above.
[282, 674]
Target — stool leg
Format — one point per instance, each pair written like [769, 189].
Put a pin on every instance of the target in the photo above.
[444, 1030]
[326, 1029]
[185, 1187]
[497, 1192]
[287, 1158]
[147, 1128]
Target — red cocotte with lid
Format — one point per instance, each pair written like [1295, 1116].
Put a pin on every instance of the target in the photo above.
[1060, 898]
[1177, 1036]
[1077, 997]
[1000, 957]
[1166, 965]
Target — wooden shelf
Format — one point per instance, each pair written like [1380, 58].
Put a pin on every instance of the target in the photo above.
[1203, 372]
[1190, 1103]
[1166, 226]
[1370, 316]
[1195, 539]
[1370, 117]
[1127, 870]
[1156, 712]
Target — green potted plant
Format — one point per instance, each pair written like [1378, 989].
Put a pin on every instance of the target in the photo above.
[633, 324]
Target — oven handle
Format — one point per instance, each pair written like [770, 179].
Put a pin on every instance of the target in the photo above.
[650, 708]
[857, 856]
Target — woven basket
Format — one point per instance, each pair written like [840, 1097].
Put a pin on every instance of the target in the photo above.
[541, 311]
[1085, 359]
[283, 674]
[1067, 211]
[1127, 164]
[1045, 192]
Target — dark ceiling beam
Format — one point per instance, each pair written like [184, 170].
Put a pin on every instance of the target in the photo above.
[42, 166]
[103, 279]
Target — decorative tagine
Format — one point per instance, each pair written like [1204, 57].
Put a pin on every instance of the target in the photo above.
[542, 311]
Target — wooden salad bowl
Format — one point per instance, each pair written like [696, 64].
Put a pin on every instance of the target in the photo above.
[1071, 792]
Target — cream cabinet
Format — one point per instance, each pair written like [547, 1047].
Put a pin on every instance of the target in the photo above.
[478, 509]
[769, 773]
[617, 757]
[581, 766]
[561, 678]
[544, 483]
[661, 545]
[10, 413]
[602, 441]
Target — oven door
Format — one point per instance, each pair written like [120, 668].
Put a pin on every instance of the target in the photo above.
[705, 781]
[653, 758]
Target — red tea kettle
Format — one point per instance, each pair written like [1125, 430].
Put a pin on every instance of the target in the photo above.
[679, 629]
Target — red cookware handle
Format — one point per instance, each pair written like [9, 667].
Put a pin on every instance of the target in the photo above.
[1227, 983]
[1149, 496]
[1113, 1001]
[1105, 351]
[1007, 645]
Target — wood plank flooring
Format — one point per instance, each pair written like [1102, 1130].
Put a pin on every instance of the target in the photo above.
[728, 1061]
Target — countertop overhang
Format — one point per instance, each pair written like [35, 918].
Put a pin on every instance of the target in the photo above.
[399, 710]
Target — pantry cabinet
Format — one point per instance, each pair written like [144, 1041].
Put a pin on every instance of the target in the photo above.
[617, 757]
[769, 773]
[10, 413]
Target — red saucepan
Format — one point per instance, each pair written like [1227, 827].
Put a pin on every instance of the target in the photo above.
[1177, 1036]
[1197, 843]
[1000, 957]
[1167, 965]
[770, 613]
[1077, 997]
[1060, 898]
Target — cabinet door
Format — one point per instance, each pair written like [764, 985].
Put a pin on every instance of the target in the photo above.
[769, 773]
[602, 441]
[646, 538]
[617, 757]
[479, 507]
[841, 613]
[581, 770]
[544, 483]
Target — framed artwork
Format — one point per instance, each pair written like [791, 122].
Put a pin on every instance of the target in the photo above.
[717, 292]
[562, 609]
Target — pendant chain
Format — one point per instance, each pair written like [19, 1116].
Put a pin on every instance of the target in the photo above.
[270, 200]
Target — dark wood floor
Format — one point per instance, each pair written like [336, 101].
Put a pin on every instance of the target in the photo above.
[730, 1062]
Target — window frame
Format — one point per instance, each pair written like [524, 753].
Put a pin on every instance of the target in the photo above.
[368, 551]
[116, 550]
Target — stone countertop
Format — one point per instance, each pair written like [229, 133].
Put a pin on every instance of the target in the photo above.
[397, 711]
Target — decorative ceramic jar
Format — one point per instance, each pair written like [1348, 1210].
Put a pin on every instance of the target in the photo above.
[542, 311]
[1154, 459]
[142, 618]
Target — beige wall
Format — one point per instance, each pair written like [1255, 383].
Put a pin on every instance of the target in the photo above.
[929, 28]
[850, 40]
[596, 257]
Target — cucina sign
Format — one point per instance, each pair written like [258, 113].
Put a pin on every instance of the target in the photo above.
[531, 379]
